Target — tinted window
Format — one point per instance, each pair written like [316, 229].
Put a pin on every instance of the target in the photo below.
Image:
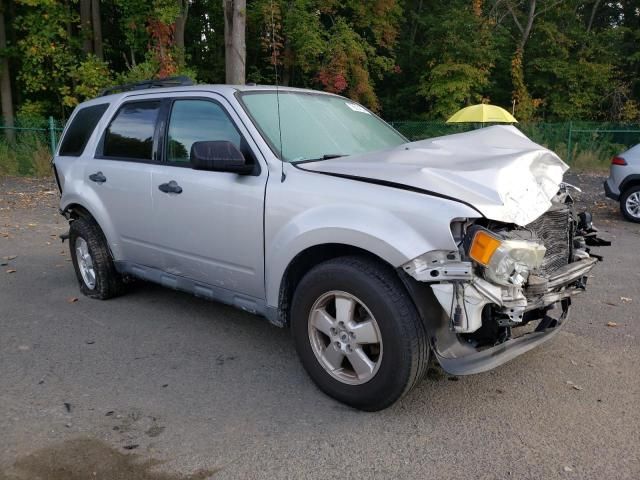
[194, 121]
[80, 129]
[130, 134]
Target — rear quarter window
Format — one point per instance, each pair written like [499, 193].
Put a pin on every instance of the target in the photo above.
[80, 129]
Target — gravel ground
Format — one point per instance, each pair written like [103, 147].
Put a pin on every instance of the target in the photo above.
[159, 385]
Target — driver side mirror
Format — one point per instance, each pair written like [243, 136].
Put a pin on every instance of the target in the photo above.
[219, 156]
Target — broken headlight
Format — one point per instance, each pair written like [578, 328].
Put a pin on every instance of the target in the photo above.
[506, 262]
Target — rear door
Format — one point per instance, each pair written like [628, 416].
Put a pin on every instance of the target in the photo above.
[212, 231]
[120, 177]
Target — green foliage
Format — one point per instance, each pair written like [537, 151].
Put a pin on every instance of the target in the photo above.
[89, 78]
[410, 59]
[28, 154]
[341, 47]
[149, 68]
[459, 63]
[47, 50]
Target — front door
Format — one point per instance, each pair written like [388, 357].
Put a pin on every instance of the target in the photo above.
[212, 230]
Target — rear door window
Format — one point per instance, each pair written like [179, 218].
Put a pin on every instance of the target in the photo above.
[130, 134]
[80, 129]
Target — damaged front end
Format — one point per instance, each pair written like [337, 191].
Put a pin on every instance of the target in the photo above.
[508, 287]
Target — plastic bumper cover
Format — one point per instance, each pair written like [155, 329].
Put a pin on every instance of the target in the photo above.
[609, 192]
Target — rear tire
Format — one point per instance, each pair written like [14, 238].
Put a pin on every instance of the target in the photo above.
[366, 364]
[630, 204]
[92, 260]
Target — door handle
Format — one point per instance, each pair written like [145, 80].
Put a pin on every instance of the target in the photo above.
[171, 187]
[98, 177]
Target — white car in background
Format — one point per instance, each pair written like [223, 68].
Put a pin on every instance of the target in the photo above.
[623, 184]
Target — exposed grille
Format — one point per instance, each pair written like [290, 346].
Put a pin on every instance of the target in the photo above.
[554, 229]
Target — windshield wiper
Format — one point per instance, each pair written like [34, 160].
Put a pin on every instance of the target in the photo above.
[326, 156]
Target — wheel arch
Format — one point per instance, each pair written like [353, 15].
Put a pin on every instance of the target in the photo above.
[629, 182]
[74, 210]
[304, 261]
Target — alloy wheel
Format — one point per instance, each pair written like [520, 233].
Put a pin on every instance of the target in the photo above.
[633, 204]
[345, 337]
[85, 263]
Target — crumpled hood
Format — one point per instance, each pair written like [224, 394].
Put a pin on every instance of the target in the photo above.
[497, 170]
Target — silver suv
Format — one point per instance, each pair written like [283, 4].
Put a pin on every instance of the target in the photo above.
[623, 184]
[306, 208]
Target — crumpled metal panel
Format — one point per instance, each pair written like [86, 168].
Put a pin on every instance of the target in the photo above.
[497, 169]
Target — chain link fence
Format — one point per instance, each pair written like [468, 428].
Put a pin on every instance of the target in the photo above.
[26, 147]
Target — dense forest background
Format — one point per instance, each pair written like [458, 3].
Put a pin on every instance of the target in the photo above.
[407, 59]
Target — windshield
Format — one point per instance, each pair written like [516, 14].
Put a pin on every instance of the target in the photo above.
[317, 126]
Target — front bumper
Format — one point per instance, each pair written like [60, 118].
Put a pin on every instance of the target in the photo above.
[453, 349]
[488, 359]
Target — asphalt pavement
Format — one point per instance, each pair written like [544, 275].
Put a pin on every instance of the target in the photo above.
[159, 385]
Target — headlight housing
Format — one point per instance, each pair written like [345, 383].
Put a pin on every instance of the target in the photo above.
[507, 262]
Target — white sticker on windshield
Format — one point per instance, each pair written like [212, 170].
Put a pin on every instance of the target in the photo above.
[357, 108]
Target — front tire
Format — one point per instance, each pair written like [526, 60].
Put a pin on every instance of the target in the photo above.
[92, 261]
[357, 332]
[630, 204]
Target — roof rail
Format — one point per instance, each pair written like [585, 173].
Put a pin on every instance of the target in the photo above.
[157, 83]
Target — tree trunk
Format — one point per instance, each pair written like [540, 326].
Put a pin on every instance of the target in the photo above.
[527, 29]
[593, 14]
[85, 26]
[5, 83]
[234, 40]
[181, 23]
[96, 20]
[414, 28]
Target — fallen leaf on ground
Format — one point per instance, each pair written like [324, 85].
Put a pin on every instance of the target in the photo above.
[626, 299]
[72, 299]
[11, 270]
[568, 469]
[576, 387]
[10, 257]
[612, 324]
[611, 303]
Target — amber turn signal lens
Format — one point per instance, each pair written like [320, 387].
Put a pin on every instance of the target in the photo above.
[483, 247]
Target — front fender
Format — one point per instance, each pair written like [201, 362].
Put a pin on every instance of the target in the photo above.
[369, 228]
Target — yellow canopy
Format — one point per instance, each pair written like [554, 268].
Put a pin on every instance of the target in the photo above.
[482, 113]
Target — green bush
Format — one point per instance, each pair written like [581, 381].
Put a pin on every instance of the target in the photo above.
[28, 153]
